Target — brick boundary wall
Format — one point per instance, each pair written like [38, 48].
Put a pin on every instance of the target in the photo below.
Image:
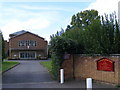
[82, 67]
[68, 68]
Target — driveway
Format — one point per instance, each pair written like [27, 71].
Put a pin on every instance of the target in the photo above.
[30, 74]
[27, 72]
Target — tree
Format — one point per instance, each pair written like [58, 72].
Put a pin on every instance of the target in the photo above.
[84, 19]
[111, 34]
[80, 28]
[2, 44]
[94, 34]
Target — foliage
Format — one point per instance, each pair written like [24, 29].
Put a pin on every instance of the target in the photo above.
[88, 33]
[55, 66]
[0, 46]
[94, 34]
[80, 30]
[59, 46]
[0, 53]
[3, 49]
[83, 19]
[118, 86]
[3, 46]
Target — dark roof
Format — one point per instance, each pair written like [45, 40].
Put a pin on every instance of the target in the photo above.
[13, 35]
[17, 33]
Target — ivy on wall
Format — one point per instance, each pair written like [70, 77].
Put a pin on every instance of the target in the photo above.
[60, 46]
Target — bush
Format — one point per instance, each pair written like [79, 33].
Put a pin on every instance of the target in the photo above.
[55, 67]
[60, 46]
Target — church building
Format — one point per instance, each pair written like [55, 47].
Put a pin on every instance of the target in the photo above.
[27, 45]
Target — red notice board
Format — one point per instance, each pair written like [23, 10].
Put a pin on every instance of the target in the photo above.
[105, 64]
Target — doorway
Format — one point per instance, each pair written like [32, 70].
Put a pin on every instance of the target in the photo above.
[27, 55]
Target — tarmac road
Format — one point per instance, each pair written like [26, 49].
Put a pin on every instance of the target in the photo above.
[26, 72]
[30, 74]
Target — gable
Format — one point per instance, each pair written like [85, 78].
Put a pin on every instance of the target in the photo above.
[17, 33]
[40, 42]
[27, 36]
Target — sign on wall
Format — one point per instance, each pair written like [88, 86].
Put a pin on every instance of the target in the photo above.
[105, 64]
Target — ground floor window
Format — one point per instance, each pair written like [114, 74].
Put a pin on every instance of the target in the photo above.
[27, 55]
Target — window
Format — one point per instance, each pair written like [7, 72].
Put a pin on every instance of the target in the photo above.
[27, 43]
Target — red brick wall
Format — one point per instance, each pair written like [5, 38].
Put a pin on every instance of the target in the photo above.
[41, 43]
[6, 47]
[68, 68]
[86, 66]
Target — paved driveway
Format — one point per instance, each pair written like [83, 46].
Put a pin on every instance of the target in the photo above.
[30, 74]
[27, 72]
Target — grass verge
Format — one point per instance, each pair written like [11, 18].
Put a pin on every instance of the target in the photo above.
[8, 64]
[47, 64]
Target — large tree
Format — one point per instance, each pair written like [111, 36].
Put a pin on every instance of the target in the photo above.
[80, 27]
[94, 34]
[84, 19]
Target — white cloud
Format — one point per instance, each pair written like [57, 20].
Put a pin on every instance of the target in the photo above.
[105, 6]
[44, 8]
[16, 19]
[37, 23]
[45, 0]
[42, 20]
[31, 24]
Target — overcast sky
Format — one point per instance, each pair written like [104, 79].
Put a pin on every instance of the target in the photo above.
[46, 18]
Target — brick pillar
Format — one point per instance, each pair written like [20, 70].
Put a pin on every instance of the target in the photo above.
[68, 68]
[118, 57]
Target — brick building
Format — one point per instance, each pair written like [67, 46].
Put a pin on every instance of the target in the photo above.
[6, 49]
[26, 45]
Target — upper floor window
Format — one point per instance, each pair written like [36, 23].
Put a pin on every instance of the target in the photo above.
[27, 43]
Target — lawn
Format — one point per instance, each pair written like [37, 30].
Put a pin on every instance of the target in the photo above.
[8, 64]
[47, 64]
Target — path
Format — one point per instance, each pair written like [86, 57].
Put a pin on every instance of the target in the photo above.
[27, 72]
[30, 74]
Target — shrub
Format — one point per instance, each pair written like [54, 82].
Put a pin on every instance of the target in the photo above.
[60, 46]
